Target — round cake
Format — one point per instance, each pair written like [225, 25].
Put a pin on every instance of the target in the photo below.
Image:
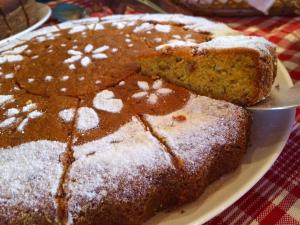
[94, 131]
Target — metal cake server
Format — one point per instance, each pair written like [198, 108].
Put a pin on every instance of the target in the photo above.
[280, 98]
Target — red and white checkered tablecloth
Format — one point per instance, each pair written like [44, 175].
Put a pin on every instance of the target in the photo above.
[275, 199]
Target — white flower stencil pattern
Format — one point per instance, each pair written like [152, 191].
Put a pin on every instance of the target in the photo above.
[30, 110]
[152, 94]
[85, 56]
[87, 117]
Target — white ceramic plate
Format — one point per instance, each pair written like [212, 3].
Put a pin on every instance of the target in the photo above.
[270, 132]
[44, 13]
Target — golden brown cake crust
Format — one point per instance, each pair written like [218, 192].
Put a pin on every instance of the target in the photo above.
[85, 138]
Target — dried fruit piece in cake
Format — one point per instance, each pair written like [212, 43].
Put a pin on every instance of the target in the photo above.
[33, 144]
[122, 178]
[237, 69]
[209, 136]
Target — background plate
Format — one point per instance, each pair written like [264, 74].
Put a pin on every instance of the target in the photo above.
[269, 133]
[44, 13]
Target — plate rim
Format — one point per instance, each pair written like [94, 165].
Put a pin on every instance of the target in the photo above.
[41, 20]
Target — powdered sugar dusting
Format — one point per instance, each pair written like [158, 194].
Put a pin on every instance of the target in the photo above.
[259, 44]
[157, 84]
[12, 112]
[85, 56]
[10, 58]
[106, 101]
[197, 24]
[77, 28]
[175, 44]
[67, 115]
[163, 28]
[99, 26]
[16, 50]
[143, 27]
[143, 85]
[164, 91]
[8, 122]
[29, 107]
[29, 178]
[34, 114]
[152, 93]
[206, 123]
[48, 78]
[87, 119]
[147, 27]
[5, 99]
[9, 76]
[113, 166]
[152, 99]
[140, 94]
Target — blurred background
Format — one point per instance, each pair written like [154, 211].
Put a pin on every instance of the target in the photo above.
[72, 9]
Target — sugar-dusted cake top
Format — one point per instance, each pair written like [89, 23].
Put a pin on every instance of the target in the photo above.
[73, 105]
[64, 56]
[30, 176]
[258, 44]
[197, 24]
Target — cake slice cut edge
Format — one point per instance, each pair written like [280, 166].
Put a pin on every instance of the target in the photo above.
[32, 156]
[123, 178]
[238, 69]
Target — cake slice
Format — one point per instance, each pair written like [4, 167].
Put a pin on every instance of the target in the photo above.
[238, 69]
[209, 138]
[33, 144]
[121, 179]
